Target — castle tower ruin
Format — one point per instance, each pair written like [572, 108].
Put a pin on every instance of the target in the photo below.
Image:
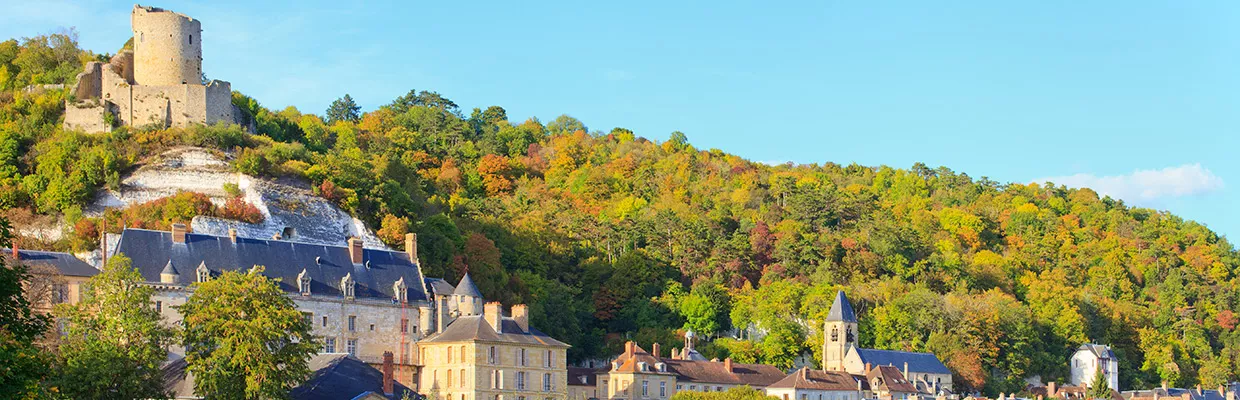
[167, 47]
[157, 84]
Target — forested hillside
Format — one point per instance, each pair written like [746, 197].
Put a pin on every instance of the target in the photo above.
[607, 234]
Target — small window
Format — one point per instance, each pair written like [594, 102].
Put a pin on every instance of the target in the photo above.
[491, 355]
[662, 389]
[352, 347]
[329, 345]
[352, 323]
[645, 388]
[549, 359]
[372, 327]
[159, 306]
[404, 325]
[324, 320]
[191, 39]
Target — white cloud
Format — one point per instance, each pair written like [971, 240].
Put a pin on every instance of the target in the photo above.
[1147, 184]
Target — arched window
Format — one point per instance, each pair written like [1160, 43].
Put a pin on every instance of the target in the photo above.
[449, 378]
[835, 334]
[463, 354]
[449, 354]
[462, 376]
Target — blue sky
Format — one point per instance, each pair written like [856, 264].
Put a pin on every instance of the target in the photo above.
[1140, 100]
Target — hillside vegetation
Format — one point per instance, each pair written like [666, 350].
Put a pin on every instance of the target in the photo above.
[609, 235]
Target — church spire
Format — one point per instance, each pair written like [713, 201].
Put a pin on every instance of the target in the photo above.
[841, 309]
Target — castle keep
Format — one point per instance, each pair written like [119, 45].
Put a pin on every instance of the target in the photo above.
[158, 83]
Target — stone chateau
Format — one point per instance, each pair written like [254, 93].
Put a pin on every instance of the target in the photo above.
[157, 84]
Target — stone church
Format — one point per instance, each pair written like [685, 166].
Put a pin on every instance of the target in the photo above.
[840, 352]
[158, 84]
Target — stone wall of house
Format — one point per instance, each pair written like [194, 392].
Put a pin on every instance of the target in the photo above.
[376, 326]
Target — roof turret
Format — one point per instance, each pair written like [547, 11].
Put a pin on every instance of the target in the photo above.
[467, 288]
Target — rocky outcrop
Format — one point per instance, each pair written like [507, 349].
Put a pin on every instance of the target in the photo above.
[291, 210]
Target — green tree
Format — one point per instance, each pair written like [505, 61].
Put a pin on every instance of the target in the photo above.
[343, 109]
[22, 364]
[115, 340]
[1099, 388]
[244, 338]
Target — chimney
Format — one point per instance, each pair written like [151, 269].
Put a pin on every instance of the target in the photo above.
[387, 374]
[654, 350]
[675, 354]
[411, 246]
[727, 365]
[868, 366]
[1222, 391]
[232, 234]
[355, 250]
[276, 236]
[521, 314]
[493, 312]
[1051, 391]
[178, 233]
[629, 348]
[906, 370]
[1199, 389]
[1164, 385]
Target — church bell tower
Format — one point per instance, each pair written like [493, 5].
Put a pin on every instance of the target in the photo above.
[840, 331]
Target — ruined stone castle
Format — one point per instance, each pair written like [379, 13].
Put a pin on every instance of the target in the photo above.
[157, 84]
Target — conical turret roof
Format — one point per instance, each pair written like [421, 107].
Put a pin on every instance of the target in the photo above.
[841, 309]
[467, 288]
[168, 269]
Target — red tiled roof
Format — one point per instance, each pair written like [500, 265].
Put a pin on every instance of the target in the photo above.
[806, 378]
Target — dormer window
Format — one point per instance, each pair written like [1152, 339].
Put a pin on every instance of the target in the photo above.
[303, 282]
[661, 367]
[401, 290]
[641, 366]
[204, 274]
[347, 285]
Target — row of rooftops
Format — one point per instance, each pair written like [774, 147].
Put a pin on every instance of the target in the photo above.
[176, 257]
[637, 360]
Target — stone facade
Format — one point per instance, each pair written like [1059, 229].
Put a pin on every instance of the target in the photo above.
[157, 84]
[491, 357]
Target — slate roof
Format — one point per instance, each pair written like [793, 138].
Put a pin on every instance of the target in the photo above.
[151, 251]
[332, 376]
[892, 380]
[582, 376]
[439, 287]
[841, 309]
[466, 287]
[917, 362]
[1205, 394]
[806, 378]
[475, 328]
[64, 263]
[1099, 351]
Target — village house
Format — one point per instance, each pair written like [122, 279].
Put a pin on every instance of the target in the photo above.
[637, 374]
[812, 384]
[1088, 360]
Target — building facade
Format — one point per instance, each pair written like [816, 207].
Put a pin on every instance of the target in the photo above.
[493, 357]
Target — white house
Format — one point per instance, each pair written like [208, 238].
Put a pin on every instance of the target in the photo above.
[1088, 359]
